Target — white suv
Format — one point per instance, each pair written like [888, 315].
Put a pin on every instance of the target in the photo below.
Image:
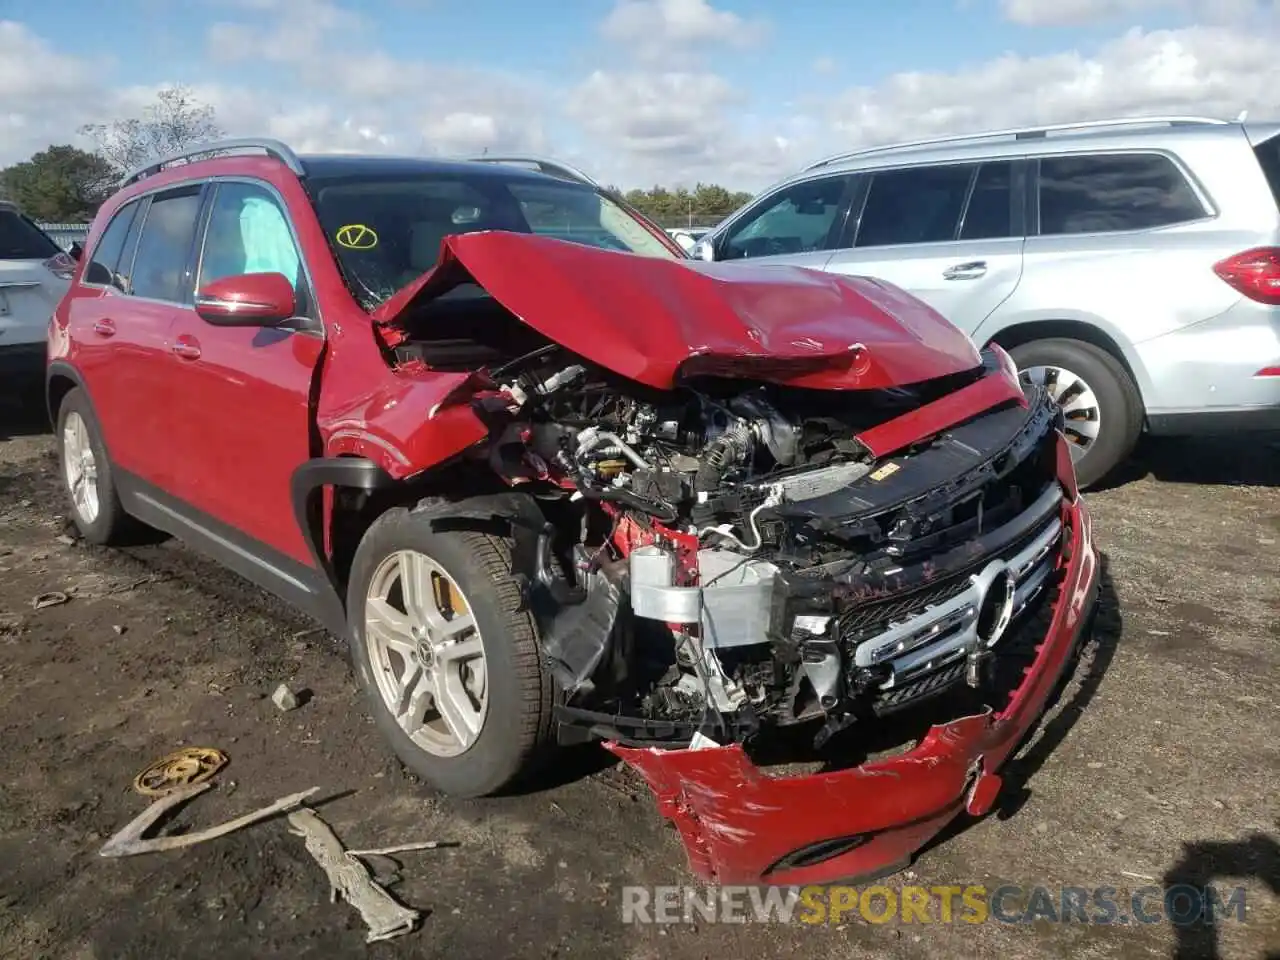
[34, 274]
[1132, 266]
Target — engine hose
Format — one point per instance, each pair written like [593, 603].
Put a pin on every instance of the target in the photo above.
[667, 513]
[720, 454]
[561, 590]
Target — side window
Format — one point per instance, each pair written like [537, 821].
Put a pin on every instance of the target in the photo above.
[1113, 192]
[124, 271]
[160, 267]
[919, 205]
[248, 232]
[21, 239]
[106, 255]
[797, 219]
[989, 215]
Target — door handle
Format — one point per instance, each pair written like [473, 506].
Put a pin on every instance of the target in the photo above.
[188, 348]
[965, 271]
[104, 328]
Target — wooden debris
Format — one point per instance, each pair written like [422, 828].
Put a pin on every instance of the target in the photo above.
[402, 848]
[130, 840]
[349, 879]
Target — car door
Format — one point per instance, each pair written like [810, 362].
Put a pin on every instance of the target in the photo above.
[950, 234]
[122, 327]
[797, 224]
[242, 414]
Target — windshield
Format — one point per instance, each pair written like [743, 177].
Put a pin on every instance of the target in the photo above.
[385, 232]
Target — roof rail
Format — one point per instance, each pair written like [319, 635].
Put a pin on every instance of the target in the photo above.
[272, 148]
[545, 165]
[1021, 133]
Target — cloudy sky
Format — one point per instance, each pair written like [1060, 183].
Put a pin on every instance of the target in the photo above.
[636, 91]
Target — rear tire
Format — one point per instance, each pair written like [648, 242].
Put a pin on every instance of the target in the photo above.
[513, 700]
[1105, 400]
[87, 475]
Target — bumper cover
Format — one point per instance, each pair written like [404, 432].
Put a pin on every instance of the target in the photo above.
[742, 826]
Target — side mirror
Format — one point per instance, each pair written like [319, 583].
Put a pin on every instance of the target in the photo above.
[704, 249]
[75, 251]
[247, 300]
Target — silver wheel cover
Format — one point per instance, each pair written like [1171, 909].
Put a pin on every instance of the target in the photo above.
[1080, 410]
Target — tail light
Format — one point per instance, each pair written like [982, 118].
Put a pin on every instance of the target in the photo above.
[61, 266]
[1255, 273]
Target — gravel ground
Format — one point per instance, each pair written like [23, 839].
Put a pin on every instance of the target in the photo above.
[1160, 760]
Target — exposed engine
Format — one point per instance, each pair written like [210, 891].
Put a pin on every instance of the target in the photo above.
[722, 552]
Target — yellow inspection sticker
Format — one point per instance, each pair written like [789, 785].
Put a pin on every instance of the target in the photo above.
[888, 470]
[356, 236]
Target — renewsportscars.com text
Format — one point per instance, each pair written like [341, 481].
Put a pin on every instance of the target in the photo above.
[1180, 905]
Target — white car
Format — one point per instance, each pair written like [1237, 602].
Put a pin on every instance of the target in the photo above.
[688, 237]
[34, 274]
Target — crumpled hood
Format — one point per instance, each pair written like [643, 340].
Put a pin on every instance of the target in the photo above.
[657, 321]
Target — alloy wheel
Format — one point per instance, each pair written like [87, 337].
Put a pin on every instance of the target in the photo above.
[427, 654]
[80, 467]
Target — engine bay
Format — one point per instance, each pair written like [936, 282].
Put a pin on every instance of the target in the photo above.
[728, 555]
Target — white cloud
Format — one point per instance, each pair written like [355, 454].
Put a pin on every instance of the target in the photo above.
[44, 95]
[1217, 71]
[639, 122]
[371, 100]
[1059, 13]
[662, 29]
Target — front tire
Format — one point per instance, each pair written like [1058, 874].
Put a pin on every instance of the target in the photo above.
[1100, 402]
[447, 654]
[86, 473]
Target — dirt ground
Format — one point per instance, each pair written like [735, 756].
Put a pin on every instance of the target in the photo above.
[1159, 764]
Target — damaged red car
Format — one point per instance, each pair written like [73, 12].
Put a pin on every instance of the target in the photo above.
[553, 481]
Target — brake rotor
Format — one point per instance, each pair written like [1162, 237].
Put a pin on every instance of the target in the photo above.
[181, 768]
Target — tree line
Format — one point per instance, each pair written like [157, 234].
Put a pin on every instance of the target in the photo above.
[66, 184]
[706, 204]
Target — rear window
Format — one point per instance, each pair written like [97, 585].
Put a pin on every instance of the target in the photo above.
[1106, 192]
[20, 239]
[1268, 153]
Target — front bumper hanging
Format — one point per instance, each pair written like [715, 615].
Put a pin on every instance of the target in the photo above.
[742, 826]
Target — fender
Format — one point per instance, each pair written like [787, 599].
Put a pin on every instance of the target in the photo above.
[61, 368]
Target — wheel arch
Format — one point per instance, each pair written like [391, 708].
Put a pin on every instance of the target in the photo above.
[59, 380]
[1026, 331]
[456, 495]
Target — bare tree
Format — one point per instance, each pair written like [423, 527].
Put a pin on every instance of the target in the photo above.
[174, 122]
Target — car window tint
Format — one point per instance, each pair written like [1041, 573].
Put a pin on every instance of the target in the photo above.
[21, 239]
[164, 249]
[797, 219]
[1268, 154]
[989, 215]
[106, 255]
[920, 205]
[124, 269]
[1113, 192]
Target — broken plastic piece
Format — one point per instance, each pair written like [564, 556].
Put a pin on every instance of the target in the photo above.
[54, 598]
[182, 768]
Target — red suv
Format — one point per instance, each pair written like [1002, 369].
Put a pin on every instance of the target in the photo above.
[553, 480]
